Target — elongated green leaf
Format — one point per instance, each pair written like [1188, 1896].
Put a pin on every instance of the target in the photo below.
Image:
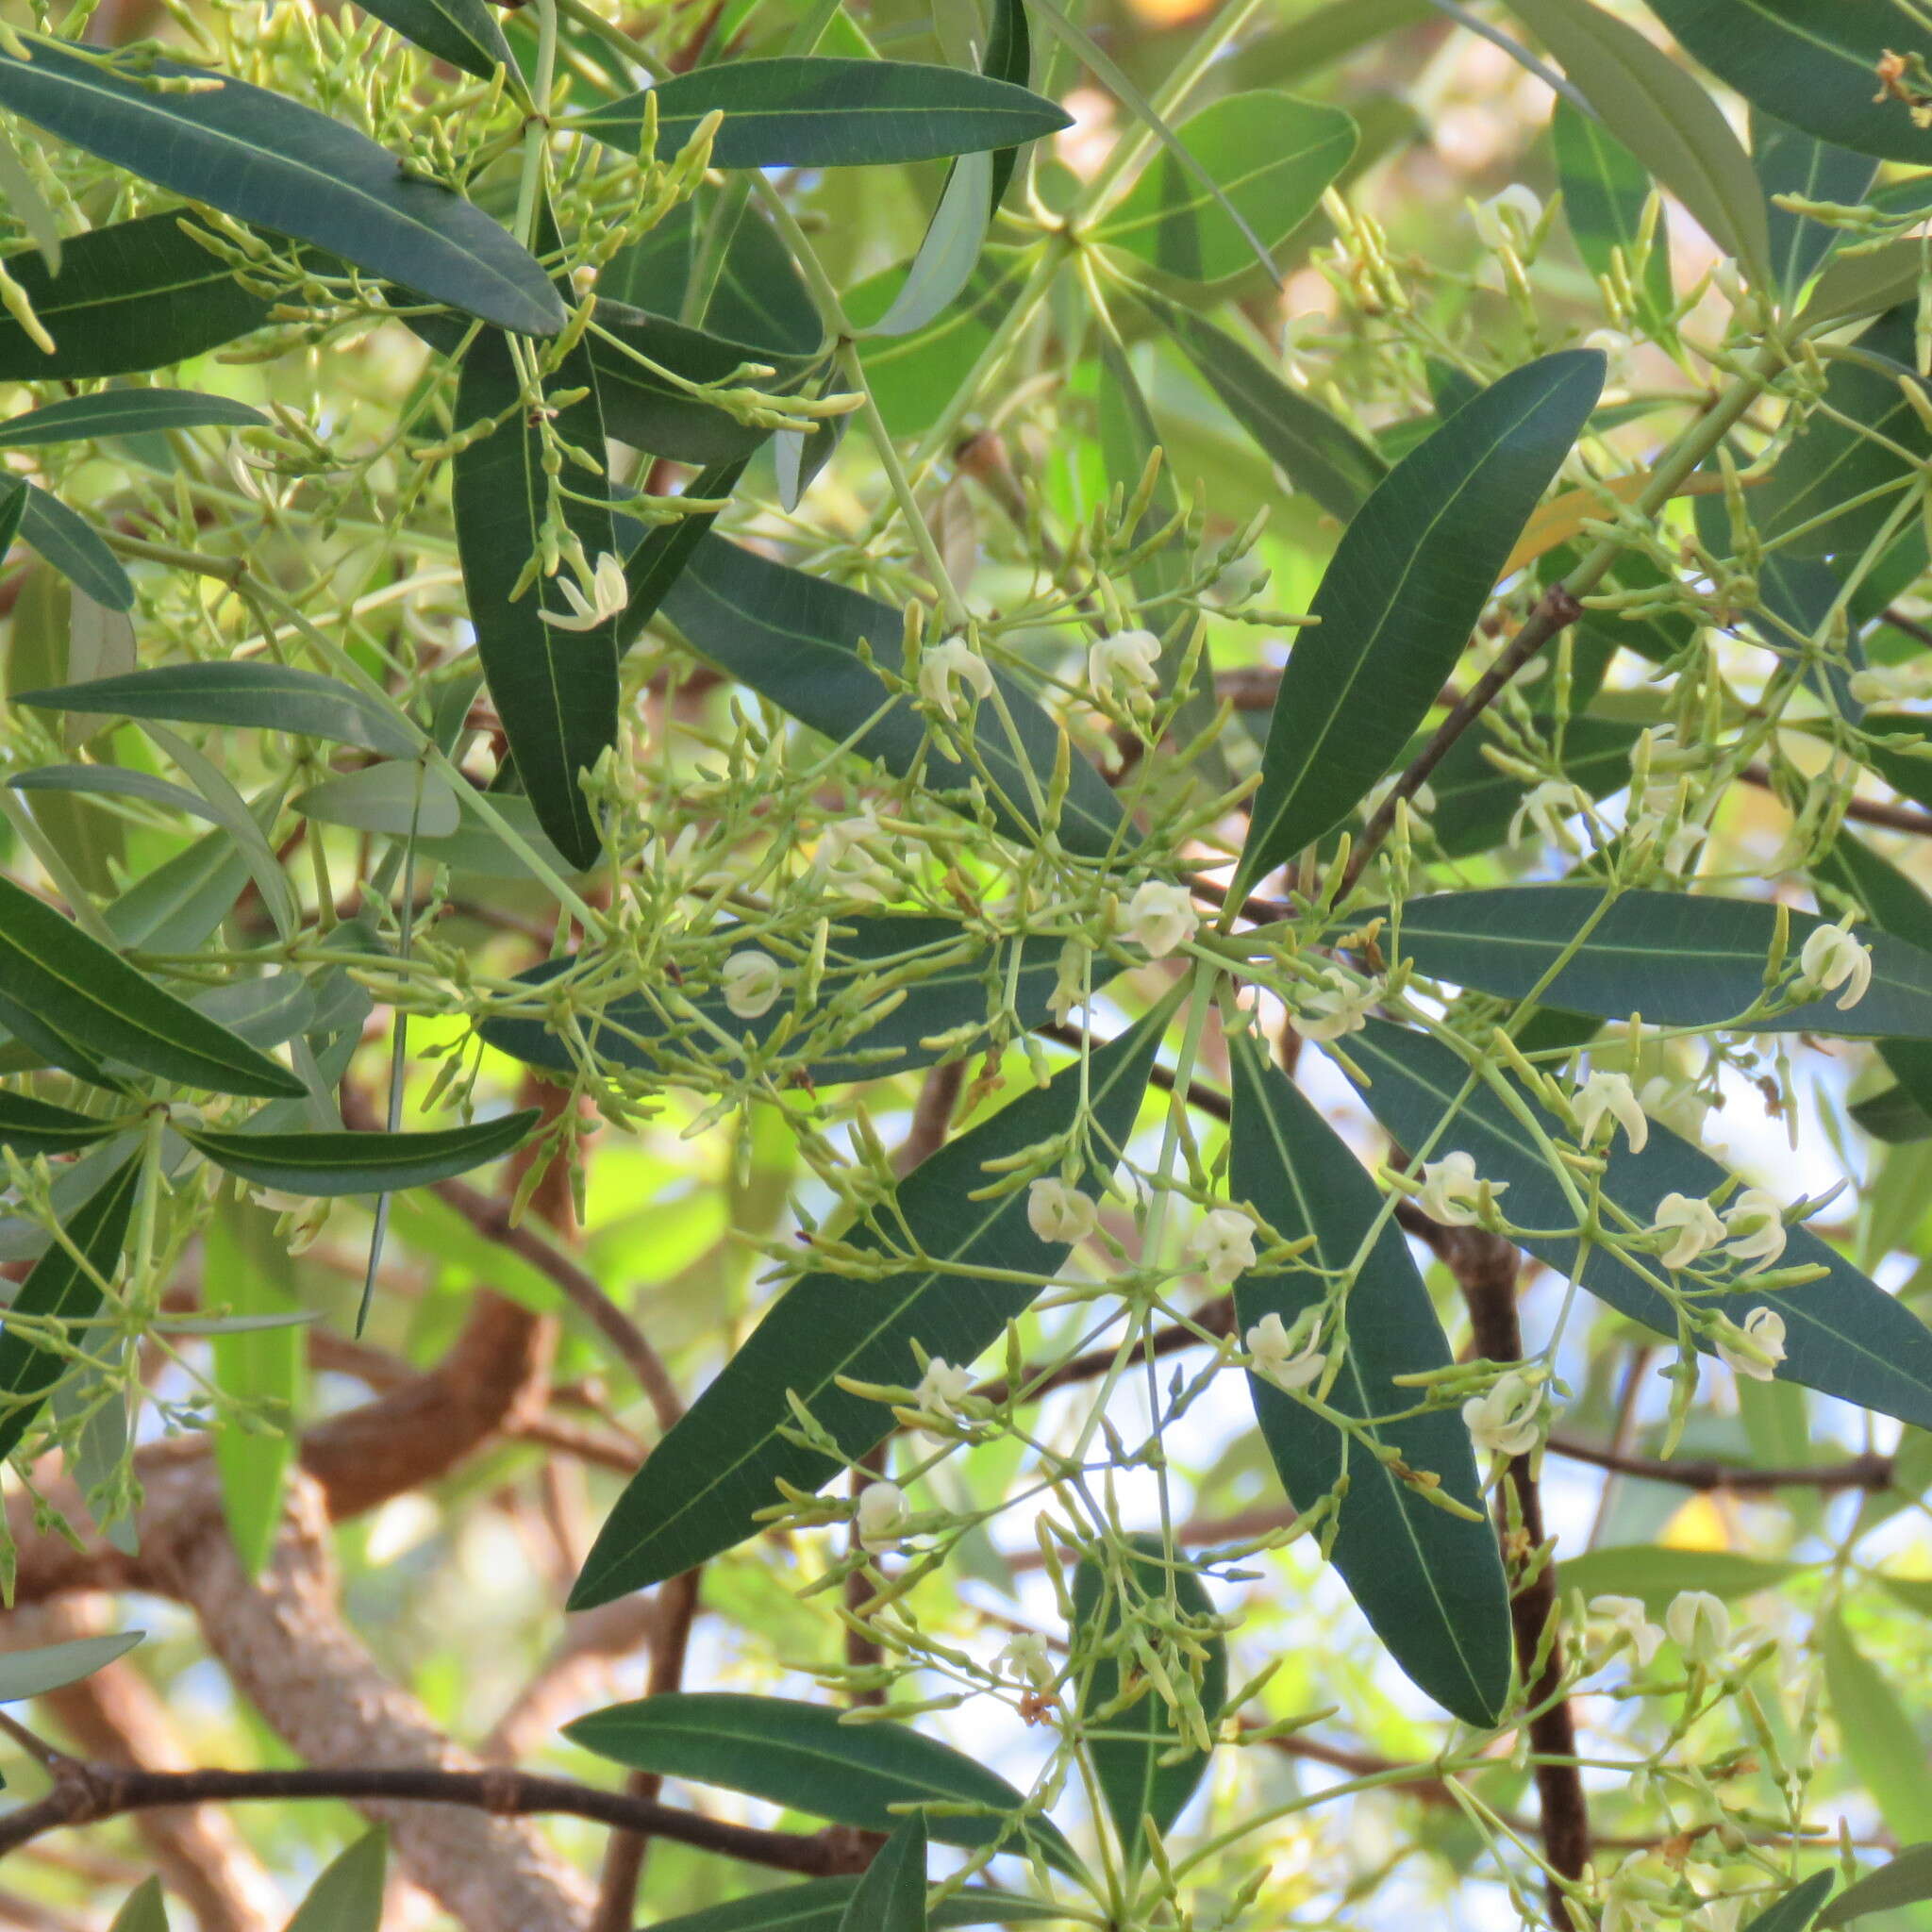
[90, 996]
[1664, 117]
[933, 977]
[718, 1466]
[1843, 1335]
[1795, 1911]
[1138, 1751]
[463, 32]
[58, 1289]
[1430, 1584]
[794, 639]
[800, 1755]
[1894, 1116]
[890, 1895]
[1878, 1736]
[30, 1126]
[1604, 190]
[556, 690]
[824, 113]
[265, 159]
[1790, 161]
[326, 1165]
[1402, 593]
[949, 251]
[1009, 57]
[819, 1906]
[123, 413]
[270, 697]
[1904, 1881]
[1656, 1574]
[175, 907]
[1814, 63]
[144, 1912]
[75, 548]
[1679, 959]
[33, 1672]
[1315, 452]
[118, 781]
[47, 1046]
[904, 373]
[348, 1895]
[396, 798]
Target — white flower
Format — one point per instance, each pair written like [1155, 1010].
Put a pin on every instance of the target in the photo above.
[1889, 684]
[1289, 1359]
[941, 1386]
[1025, 1660]
[1339, 1007]
[883, 1516]
[1451, 1194]
[1611, 1094]
[1616, 347]
[1057, 1212]
[1756, 1224]
[608, 596]
[845, 859]
[1624, 1614]
[753, 981]
[1718, 1915]
[939, 669]
[1130, 659]
[1222, 1247]
[1699, 1624]
[1756, 1348]
[1832, 958]
[1510, 218]
[1548, 807]
[1160, 917]
[1508, 1420]
[1698, 1229]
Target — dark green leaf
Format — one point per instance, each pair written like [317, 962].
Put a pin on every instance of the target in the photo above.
[94, 997]
[348, 1895]
[123, 412]
[794, 639]
[813, 113]
[890, 1895]
[46, 1046]
[271, 697]
[26, 1673]
[265, 159]
[58, 1289]
[800, 1755]
[1604, 190]
[1903, 1882]
[144, 1911]
[30, 1126]
[718, 1467]
[1009, 57]
[463, 32]
[1843, 1335]
[819, 1906]
[75, 548]
[1790, 161]
[1402, 594]
[1795, 1911]
[326, 1165]
[1656, 1573]
[1894, 1116]
[1430, 1584]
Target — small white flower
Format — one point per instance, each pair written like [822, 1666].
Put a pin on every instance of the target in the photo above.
[1718, 1915]
[1699, 1624]
[1222, 1247]
[1057, 1212]
[1832, 958]
[1451, 1194]
[753, 981]
[1756, 1348]
[845, 859]
[1289, 1359]
[944, 667]
[1616, 347]
[1160, 917]
[1756, 1224]
[1611, 1093]
[1695, 1222]
[610, 594]
[1508, 1420]
[1339, 1007]
[1130, 659]
[1508, 220]
[883, 1516]
[1549, 807]
[1025, 1660]
[1624, 1614]
[1889, 684]
[941, 1388]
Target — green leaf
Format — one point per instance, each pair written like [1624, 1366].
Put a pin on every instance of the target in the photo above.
[1894, 1116]
[1312, 449]
[1843, 1335]
[1876, 1732]
[950, 251]
[1814, 63]
[1402, 594]
[1904, 1881]
[348, 1895]
[144, 1911]
[951, 979]
[890, 1894]
[822, 114]
[1009, 57]
[1680, 960]
[801, 1757]
[1795, 1911]
[718, 1467]
[1656, 1574]
[819, 1906]
[1138, 1751]
[794, 639]
[661, 554]
[1790, 161]
[132, 297]
[175, 907]
[1604, 190]
[272, 697]
[248, 1268]
[268, 159]
[58, 1289]
[463, 32]
[75, 548]
[1855, 285]
[1431, 1583]
[556, 690]
[26, 1673]
[123, 413]
[30, 1126]
[397, 798]
[327, 1165]
[94, 997]
[1664, 117]
[906, 373]
[1269, 155]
